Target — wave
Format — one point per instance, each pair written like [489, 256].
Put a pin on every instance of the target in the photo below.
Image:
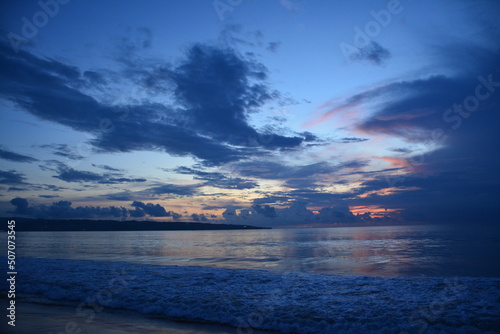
[284, 302]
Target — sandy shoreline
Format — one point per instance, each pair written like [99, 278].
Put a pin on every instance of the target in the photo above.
[40, 318]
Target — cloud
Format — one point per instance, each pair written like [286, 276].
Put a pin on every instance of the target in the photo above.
[218, 90]
[62, 150]
[264, 210]
[199, 217]
[11, 177]
[94, 78]
[273, 46]
[401, 150]
[373, 53]
[17, 189]
[154, 191]
[18, 183]
[65, 210]
[171, 189]
[153, 210]
[217, 180]
[454, 115]
[272, 170]
[134, 41]
[213, 92]
[125, 196]
[296, 214]
[290, 5]
[347, 140]
[16, 157]
[108, 168]
[72, 175]
[413, 108]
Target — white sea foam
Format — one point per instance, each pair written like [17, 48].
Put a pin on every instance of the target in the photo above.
[289, 302]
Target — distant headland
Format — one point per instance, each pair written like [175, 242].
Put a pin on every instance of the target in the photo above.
[25, 224]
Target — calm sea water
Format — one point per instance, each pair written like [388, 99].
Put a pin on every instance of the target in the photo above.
[373, 251]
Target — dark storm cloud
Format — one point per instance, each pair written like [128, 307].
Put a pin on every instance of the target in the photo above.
[214, 92]
[16, 157]
[373, 53]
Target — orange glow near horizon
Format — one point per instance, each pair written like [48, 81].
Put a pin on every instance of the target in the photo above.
[385, 191]
[375, 210]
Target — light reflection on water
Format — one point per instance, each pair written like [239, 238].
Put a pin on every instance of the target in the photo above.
[375, 251]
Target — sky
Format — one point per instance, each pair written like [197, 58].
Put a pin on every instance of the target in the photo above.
[264, 112]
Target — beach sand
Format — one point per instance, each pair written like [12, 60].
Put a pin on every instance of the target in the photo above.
[38, 318]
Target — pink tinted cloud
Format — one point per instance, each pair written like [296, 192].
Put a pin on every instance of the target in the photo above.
[345, 110]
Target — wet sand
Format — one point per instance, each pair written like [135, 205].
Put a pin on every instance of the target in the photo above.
[38, 318]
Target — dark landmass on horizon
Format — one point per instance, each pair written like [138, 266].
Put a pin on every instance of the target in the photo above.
[32, 225]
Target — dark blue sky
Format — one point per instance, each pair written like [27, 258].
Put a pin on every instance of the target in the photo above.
[264, 112]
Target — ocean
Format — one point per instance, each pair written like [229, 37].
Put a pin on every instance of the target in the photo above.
[389, 279]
